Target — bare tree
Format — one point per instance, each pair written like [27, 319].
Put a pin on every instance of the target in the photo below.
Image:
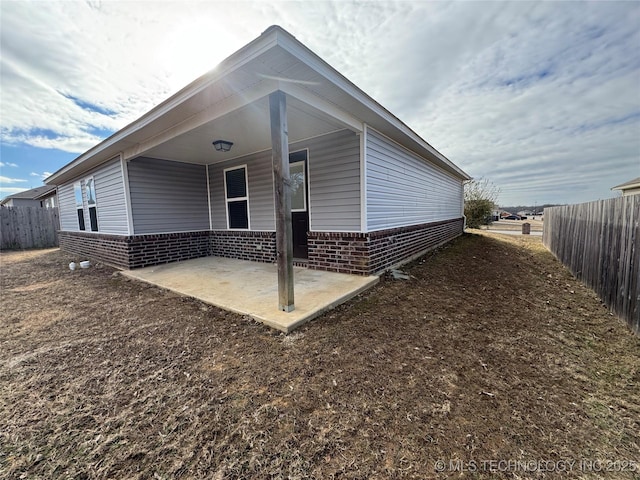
[480, 199]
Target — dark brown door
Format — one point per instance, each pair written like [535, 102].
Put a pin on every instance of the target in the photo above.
[299, 203]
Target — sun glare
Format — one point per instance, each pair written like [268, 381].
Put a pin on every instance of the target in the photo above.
[191, 48]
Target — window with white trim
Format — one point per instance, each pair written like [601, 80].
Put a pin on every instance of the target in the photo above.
[237, 198]
[50, 202]
[90, 188]
[77, 192]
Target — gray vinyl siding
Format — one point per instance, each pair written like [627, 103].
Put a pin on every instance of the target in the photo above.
[260, 187]
[23, 202]
[168, 196]
[334, 181]
[67, 208]
[334, 185]
[110, 201]
[404, 189]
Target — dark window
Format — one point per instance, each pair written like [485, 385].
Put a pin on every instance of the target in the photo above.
[93, 218]
[236, 197]
[81, 219]
[236, 185]
[238, 217]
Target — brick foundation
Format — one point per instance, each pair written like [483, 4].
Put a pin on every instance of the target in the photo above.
[136, 251]
[146, 250]
[339, 252]
[110, 249]
[354, 253]
[371, 253]
[254, 246]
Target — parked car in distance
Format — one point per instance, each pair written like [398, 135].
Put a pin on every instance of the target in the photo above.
[513, 217]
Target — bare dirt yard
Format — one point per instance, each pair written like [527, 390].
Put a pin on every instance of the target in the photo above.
[491, 361]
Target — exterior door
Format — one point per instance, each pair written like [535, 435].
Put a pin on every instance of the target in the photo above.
[299, 203]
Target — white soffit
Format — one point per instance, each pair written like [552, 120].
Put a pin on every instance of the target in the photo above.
[248, 128]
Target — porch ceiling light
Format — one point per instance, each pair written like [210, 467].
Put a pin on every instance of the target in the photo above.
[222, 145]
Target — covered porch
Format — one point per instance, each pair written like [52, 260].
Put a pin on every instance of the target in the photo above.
[259, 158]
[290, 181]
[251, 288]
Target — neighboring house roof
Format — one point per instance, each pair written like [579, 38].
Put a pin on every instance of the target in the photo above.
[233, 97]
[635, 183]
[33, 194]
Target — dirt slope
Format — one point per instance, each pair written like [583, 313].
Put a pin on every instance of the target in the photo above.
[101, 377]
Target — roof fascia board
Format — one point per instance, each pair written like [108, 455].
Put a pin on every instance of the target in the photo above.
[230, 64]
[635, 183]
[48, 193]
[234, 61]
[304, 54]
[272, 37]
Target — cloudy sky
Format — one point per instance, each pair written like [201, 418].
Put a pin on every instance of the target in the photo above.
[543, 99]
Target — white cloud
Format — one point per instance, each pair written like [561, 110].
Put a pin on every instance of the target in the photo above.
[541, 98]
[42, 176]
[95, 79]
[550, 113]
[5, 191]
[8, 164]
[10, 180]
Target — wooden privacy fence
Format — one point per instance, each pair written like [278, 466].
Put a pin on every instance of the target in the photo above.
[600, 243]
[28, 227]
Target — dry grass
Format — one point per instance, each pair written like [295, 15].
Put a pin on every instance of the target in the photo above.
[492, 351]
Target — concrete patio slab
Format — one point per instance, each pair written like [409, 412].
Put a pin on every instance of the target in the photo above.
[251, 288]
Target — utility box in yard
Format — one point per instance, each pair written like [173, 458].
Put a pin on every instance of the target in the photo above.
[526, 228]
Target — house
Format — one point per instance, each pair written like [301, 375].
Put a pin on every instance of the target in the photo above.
[632, 187]
[205, 174]
[44, 196]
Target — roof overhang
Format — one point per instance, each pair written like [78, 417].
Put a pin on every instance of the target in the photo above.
[232, 99]
[37, 193]
[631, 184]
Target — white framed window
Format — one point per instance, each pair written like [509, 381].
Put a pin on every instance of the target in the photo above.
[77, 192]
[236, 193]
[90, 188]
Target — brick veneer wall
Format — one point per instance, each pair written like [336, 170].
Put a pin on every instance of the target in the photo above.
[339, 252]
[254, 246]
[110, 249]
[136, 251]
[355, 253]
[146, 250]
[370, 253]
[391, 247]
